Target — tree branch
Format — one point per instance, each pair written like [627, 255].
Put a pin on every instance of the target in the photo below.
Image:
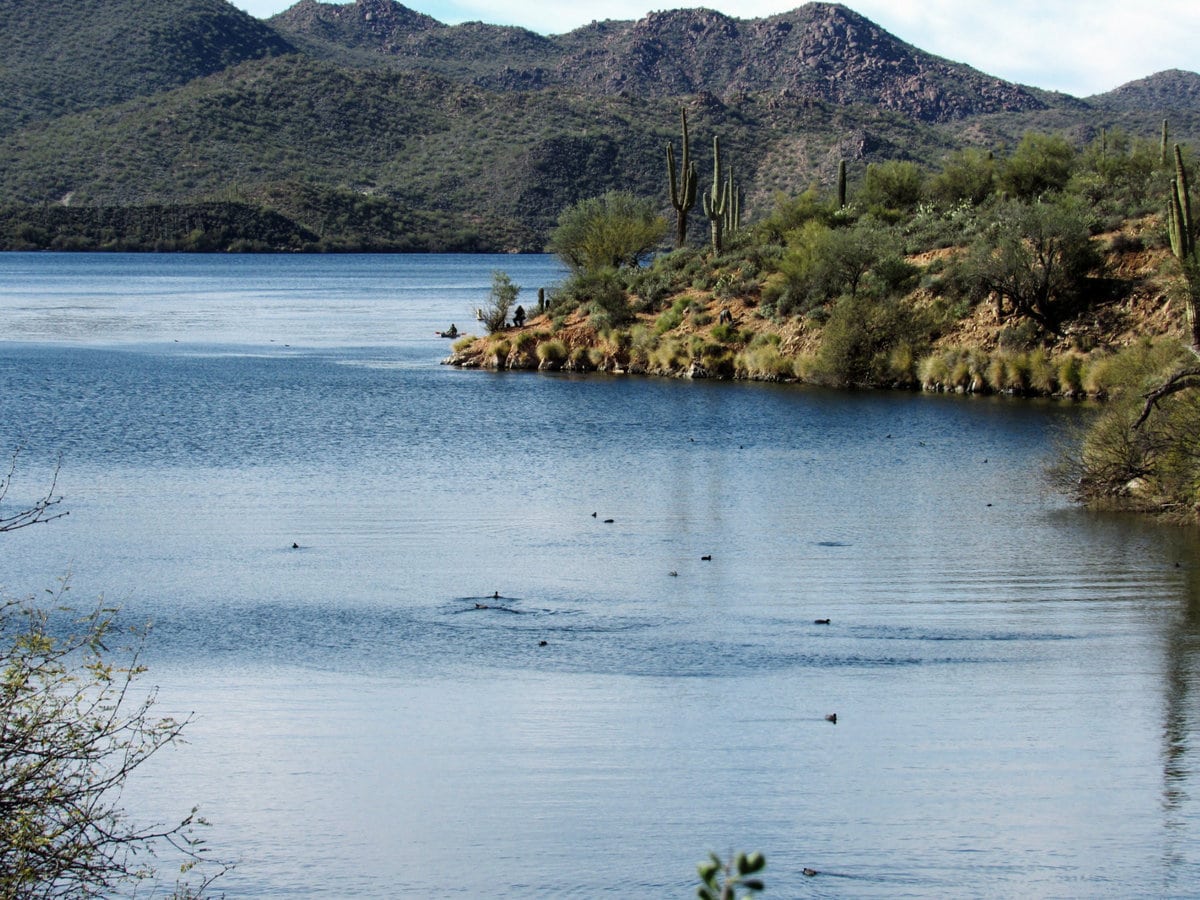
[42, 510]
[1182, 380]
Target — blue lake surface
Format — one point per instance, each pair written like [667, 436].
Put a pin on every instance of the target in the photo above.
[1016, 680]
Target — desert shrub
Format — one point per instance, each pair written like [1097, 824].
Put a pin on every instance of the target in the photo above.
[642, 342]
[673, 317]
[968, 176]
[1036, 261]
[955, 369]
[892, 189]
[821, 263]
[671, 354]
[1042, 372]
[77, 723]
[552, 353]
[1070, 374]
[610, 231]
[1155, 466]
[1041, 164]
[860, 336]
[499, 302]
[728, 333]
[717, 359]
[790, 214]
[1022, 335]
[894, 274]
[899, 366]
[763, 360]
[585, 359]
[1126, 243]
[934, 371]
[1133, 369]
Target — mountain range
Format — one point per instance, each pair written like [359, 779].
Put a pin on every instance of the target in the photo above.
[368, 125]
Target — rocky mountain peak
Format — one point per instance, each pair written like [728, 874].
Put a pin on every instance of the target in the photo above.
[374, 24]
[821, 51]
[1164, 90]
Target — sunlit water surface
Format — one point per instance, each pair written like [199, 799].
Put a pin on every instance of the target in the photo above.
[1015, 680]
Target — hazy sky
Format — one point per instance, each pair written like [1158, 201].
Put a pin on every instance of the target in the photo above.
[1082, 47]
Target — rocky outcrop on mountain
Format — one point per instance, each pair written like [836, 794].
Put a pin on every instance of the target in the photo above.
[399, 37]
[1172, 89]
[820, 51]
[381, 25]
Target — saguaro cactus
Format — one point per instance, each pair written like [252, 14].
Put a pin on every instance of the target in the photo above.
[1183, 243]
[717, 198]
[683, 183]
[1183, 246]
[841, 184]
[1179, 213]
[733, 204]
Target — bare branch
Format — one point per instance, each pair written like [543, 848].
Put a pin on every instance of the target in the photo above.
[1182, 380]
[40, 511]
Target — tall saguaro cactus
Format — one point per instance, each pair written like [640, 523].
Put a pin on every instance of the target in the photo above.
[1183, 246]
[717, 198]
[1179, 213]
[841, 184]
[683, 183]
[733, 205]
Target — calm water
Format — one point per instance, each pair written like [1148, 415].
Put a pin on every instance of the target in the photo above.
[1016, 681]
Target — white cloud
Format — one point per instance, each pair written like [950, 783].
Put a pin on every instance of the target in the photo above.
[1081, 47]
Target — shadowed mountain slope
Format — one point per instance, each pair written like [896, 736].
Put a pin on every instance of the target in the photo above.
[59, 58]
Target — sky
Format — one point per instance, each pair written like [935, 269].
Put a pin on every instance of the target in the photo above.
[1080, 47]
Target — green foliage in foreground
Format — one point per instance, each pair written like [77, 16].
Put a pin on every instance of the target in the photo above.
[75, 723]
[722, 880]
[1154, 467]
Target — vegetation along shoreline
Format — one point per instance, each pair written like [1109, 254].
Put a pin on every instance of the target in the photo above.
[1051, 271]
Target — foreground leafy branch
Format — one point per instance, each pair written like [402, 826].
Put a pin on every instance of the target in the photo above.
[722, 880]
[73, 728]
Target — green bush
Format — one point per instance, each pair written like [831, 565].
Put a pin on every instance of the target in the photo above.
[610, 231]
[861, 338]
[1153, 467]
[763, 361]
[728, 334]
[552, 353]
[1041, 164]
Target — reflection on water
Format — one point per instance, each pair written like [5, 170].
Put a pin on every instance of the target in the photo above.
[461, 682]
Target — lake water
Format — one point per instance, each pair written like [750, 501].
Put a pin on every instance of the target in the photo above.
[1016, 681]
